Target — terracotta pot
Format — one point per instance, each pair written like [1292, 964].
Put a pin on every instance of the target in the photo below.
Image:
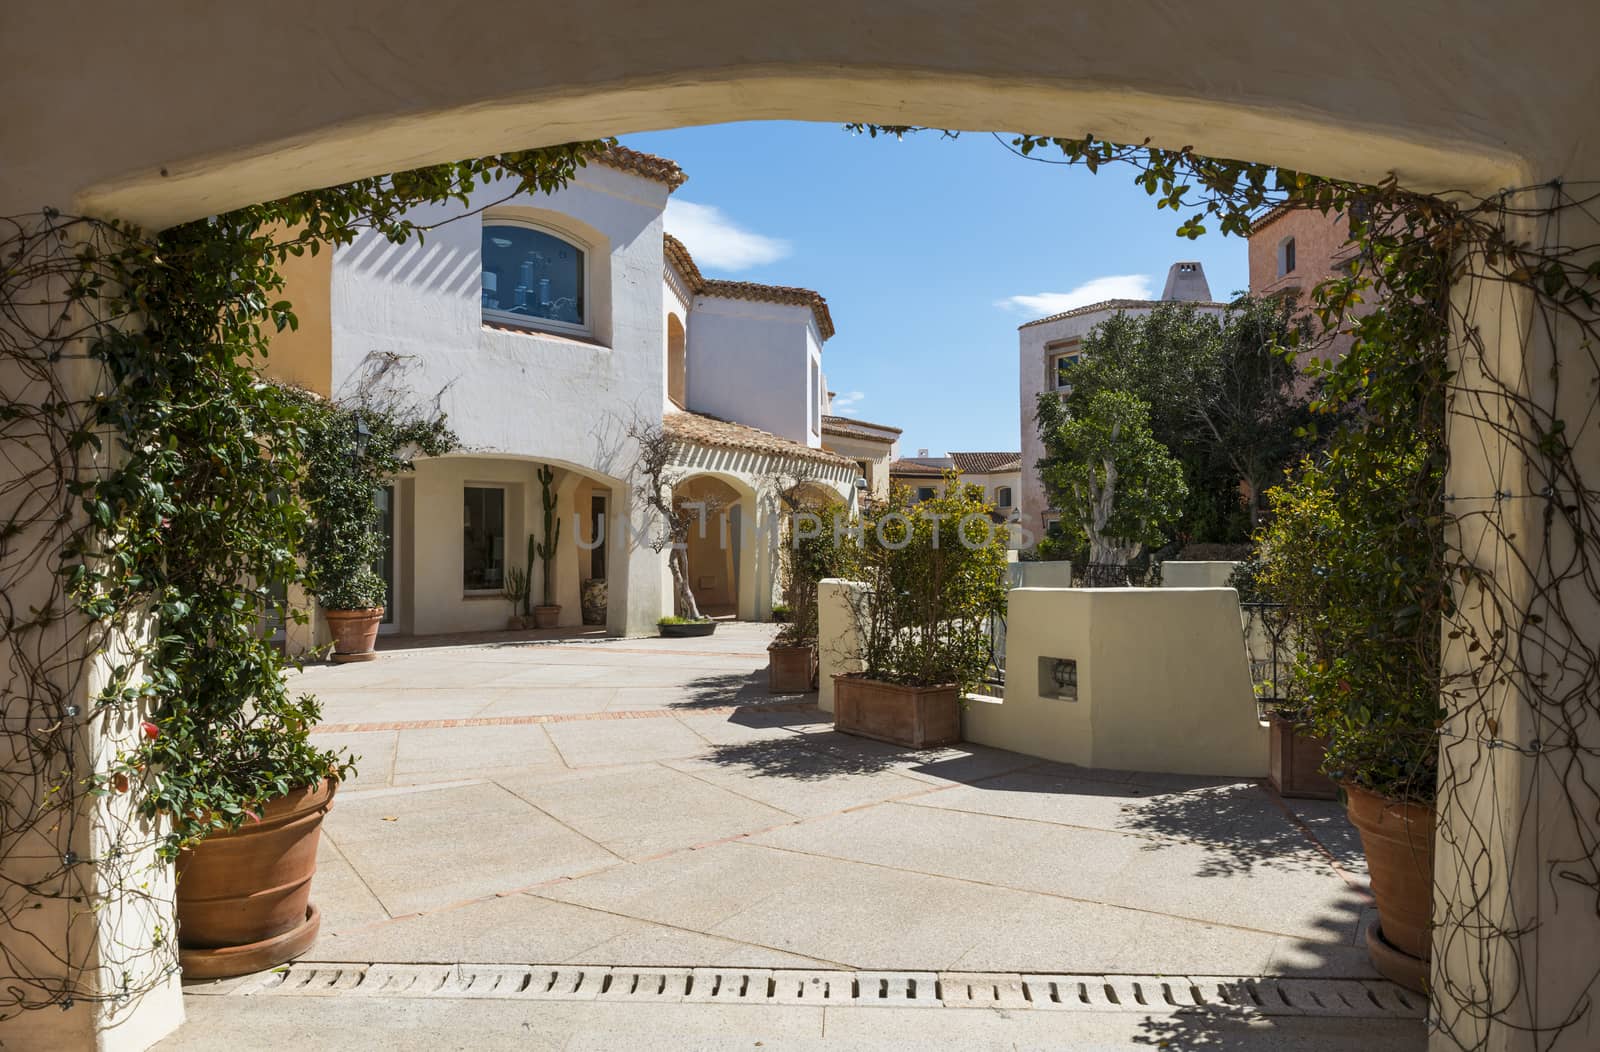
[546, 616]
[1295, 762]
[1397, 839]
[791, 670]
[920, 717]
[355, 633]
[244, 896]
[693, 628]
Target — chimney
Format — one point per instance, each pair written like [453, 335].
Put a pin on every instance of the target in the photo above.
[1187, 281]
[922, 452]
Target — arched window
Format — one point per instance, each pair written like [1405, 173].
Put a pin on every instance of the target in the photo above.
[677, 364]
[1002, 497]
[533, 277]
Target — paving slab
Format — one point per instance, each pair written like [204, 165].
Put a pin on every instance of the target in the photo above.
[451, 751]
[374, 752]
[638, 812]
[597, 742]
[453, 844]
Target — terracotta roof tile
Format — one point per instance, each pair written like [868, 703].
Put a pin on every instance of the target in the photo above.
[911, 467]
[648, 165]
[986, 463]
[844, 425]
[678, 254]
[1114, 305]
[702, 430]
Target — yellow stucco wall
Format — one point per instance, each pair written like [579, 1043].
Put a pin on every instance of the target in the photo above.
[304, 356]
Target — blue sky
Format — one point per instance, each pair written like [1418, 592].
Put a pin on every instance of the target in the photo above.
[922, 248]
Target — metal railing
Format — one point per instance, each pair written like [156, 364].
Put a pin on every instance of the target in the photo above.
[1270, 647]
[995, 672]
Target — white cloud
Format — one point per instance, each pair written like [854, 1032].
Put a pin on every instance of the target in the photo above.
[717, 242]
[848, 400]
[1111, 287]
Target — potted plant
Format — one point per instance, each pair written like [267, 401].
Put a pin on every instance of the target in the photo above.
[811, 553]
[1295, 750]
[1355, 561]
[350, 452]
[515, 591]
[547, 613]
[934, 576]
[654, 479]
[673, 627]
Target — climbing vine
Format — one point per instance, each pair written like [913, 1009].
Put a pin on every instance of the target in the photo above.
[1476, 330]
[152, 510]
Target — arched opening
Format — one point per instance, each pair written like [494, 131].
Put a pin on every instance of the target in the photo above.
[717, 545]
[677, 363]
[1131, 84]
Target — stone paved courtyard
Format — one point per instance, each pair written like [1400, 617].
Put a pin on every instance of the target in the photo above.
[645, 802]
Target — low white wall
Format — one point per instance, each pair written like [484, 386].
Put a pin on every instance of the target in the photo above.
[1163, 681]
[838, 643]
[1196, 574]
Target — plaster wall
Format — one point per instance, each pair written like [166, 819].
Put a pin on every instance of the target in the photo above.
[303, 357]
[751, 361]
[413, 313]
[1175, 574]
[1321, 251]
[1163, 682]
[877, 454]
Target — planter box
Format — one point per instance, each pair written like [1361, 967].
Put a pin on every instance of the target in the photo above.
[546, 616]
[921, 717]
[791, 670]
[693, 628]
[1295, 764]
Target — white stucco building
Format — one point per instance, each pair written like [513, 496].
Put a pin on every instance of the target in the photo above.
[545, 328]
[1047, 350]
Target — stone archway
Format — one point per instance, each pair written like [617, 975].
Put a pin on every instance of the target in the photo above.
[280, 112]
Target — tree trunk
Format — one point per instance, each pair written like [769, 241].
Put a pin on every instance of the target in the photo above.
[678, 561]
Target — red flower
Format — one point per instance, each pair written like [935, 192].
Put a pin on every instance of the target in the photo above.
[151, 731]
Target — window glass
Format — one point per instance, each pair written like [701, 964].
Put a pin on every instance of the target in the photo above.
[1064, 364]
[483, 541]
[925, 493]
[1003, 497]
[529, 273]
[383, 522]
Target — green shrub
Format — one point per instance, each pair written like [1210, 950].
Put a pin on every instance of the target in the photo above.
[935, 573]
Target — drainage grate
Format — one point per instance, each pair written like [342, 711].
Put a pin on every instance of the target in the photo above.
[1265, 996]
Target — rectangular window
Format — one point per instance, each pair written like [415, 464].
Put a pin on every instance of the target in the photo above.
[1061, 369]
[926, 493]
[816, 396]
[483, 538]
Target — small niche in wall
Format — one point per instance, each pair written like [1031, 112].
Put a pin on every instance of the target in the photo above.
[1058, 678]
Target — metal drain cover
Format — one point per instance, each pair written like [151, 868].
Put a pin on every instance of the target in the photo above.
[1266, 996]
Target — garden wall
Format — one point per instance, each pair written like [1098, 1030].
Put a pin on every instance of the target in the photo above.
[1158, 679]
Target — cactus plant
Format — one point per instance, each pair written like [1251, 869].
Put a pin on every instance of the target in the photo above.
[546, 549]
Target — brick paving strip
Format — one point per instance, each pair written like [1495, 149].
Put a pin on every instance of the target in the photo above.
[558, 717]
